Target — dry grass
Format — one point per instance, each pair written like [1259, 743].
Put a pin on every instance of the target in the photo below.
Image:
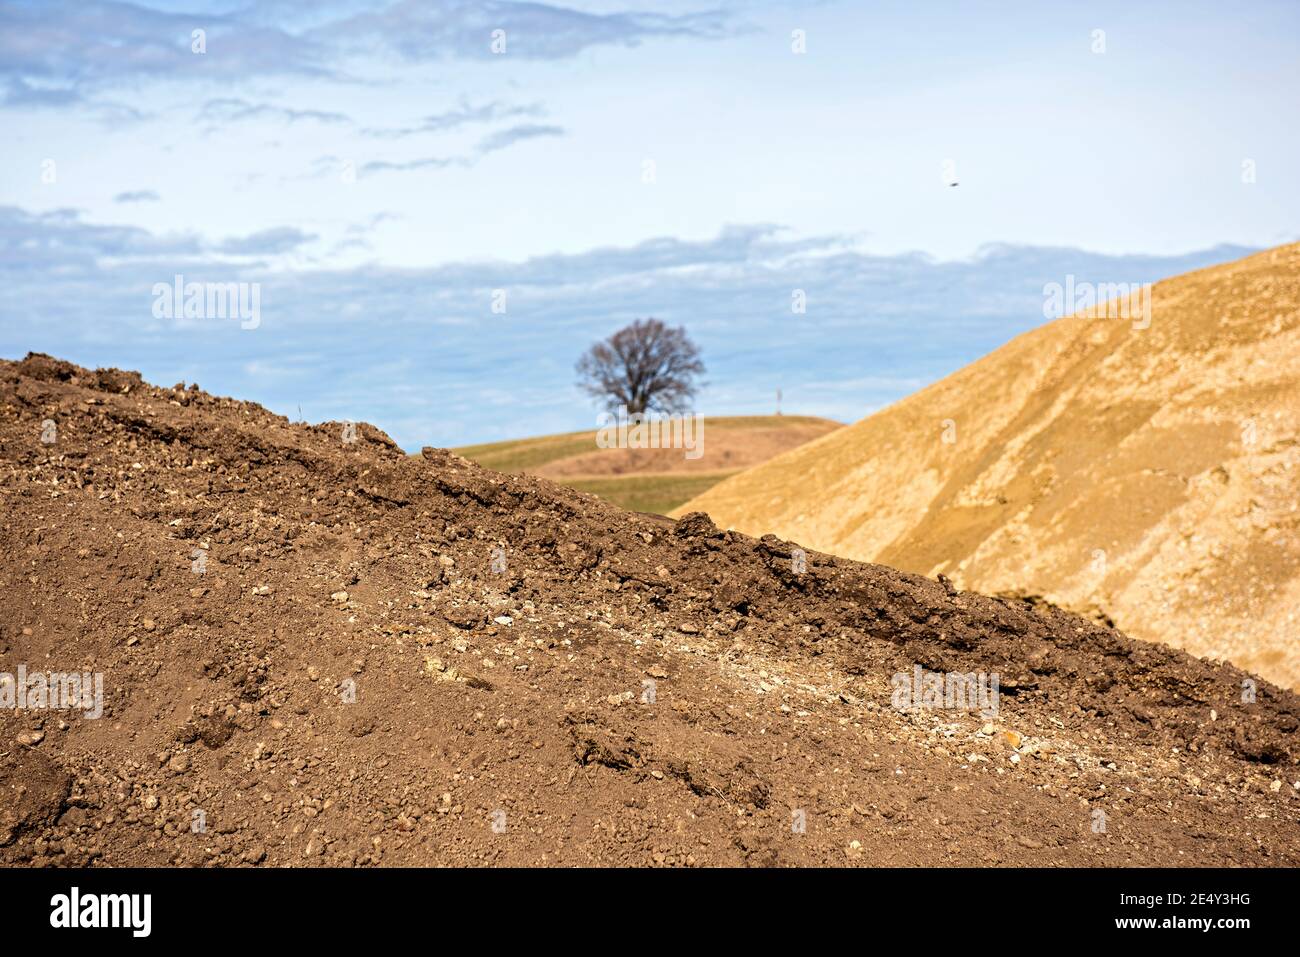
[1147, 474]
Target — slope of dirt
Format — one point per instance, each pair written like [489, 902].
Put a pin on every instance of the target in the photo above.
[1148, 475]
[655, 480]
[384, 659]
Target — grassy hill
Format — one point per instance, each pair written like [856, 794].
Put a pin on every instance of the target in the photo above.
[1148, 475]
[652, 480]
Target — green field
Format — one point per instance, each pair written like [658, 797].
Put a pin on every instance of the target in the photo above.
[519, 455]
[659, 493]
[649, 493]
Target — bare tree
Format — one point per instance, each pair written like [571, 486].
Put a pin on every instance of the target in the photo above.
[646, 366]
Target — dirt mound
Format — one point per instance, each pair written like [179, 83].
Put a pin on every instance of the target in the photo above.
[1145, 475]
[317, 650]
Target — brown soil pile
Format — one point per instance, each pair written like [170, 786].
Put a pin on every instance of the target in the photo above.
[1148, 475]
[412, 660]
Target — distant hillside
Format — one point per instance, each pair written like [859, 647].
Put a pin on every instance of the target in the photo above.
[652, 480]
[1150, 475]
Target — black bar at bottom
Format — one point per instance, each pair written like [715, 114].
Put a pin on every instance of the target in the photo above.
[336, 907]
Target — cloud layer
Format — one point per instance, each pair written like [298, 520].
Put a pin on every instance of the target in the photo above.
[422, 354]
[54, 53]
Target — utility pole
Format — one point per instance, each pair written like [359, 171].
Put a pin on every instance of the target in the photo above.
[778, 401]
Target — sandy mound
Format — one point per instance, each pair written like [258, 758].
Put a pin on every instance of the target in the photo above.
[327, 652]
[1145, 475]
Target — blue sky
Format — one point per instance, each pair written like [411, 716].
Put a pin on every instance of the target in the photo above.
[381, 171]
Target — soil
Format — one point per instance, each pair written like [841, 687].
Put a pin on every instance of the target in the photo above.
[393, 660]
